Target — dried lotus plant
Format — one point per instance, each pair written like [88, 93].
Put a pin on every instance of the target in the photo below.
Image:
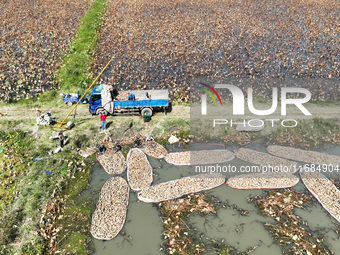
[168, 44]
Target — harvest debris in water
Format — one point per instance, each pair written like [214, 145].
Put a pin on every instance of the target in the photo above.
[290, 231]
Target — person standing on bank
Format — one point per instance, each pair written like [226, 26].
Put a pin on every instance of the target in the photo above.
[37, 115]
[61, 139]
[103, 119]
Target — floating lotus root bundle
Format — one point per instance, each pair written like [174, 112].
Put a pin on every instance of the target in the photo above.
[177, 188]
[187, 158]
[154, 149]
[109, 216]
[139, 170]
[272, 180]
[267, 160]
[303, 155]
[323, 190]
[113, 162]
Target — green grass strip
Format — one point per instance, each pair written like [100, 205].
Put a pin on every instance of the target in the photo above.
[76, 70]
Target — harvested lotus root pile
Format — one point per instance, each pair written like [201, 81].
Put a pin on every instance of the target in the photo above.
[305, 156]
[109, 216]
[154, 149]
[177, 188]
[122, 96]
[265, 159]
[323, 190]
[139, 170]
[112, 162]
[270, 180]
[188, 158]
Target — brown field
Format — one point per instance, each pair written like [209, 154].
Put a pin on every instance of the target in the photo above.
[33, 38]
[161, 44]
[168, 43]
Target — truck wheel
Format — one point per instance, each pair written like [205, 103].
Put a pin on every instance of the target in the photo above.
[146, 111]
[70, 103]
[101, 110]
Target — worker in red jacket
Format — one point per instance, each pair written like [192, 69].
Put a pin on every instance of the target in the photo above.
[103, 119]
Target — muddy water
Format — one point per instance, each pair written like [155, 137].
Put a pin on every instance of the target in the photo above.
[142, 232]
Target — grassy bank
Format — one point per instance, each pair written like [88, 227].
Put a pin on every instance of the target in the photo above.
[14, 161]
[76, 70]
[308, 134]
[36, 201]
[46, 214]
[38, 189]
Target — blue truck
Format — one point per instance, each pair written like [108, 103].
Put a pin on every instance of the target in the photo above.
[144, 102]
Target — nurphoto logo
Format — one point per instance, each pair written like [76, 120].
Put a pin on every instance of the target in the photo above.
[238, 104]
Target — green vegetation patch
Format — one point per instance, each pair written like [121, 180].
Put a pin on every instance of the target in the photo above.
[76, 71]
[14, 162]
[37, 246]
[44, 193]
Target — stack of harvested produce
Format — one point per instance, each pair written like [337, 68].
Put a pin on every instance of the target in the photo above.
[263, 181]
[177, 188]
[265, 159]
[323, 190]
[113, 162]
[109, 216]
[153, 149]
[189, 158]
[122, 96]
[303, 155]
[139, 170]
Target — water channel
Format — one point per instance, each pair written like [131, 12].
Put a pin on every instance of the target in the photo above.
[142, 232]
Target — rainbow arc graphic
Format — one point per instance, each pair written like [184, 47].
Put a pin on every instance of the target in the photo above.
[209, 93]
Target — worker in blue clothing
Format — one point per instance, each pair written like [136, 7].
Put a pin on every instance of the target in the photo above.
[131, 96]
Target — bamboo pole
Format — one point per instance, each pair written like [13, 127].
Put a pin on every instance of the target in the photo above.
[62, 123]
